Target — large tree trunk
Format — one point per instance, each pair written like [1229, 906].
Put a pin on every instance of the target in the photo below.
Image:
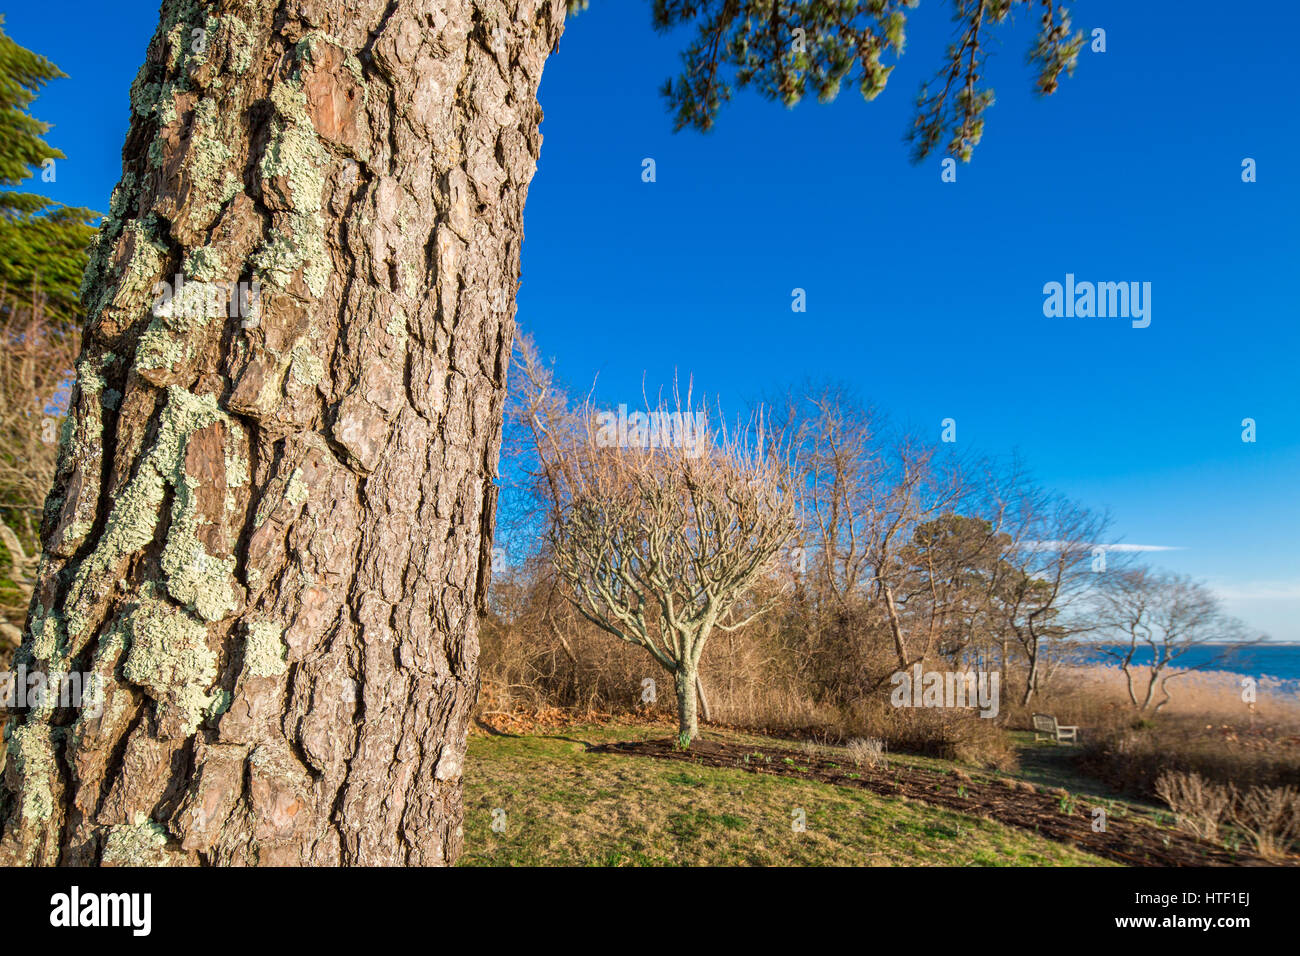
[688, 726]
[268, 537]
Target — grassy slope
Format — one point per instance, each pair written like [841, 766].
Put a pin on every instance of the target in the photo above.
[566, 807]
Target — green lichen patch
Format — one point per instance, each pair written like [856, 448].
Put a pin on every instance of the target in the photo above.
[220, 704]
[144, 95]
[123, 192]
[142, 843]
[160, 347]
[293, 174]
[396, 326]
[265, 650]
[181, 18]
[194, 305]
[306, 367]
[133, 521]
[138, 275]
[296, 491]
[169, 657]
[236, 465]
[195, 578]
[170, 336]
[31, 749]
[239, 38]
[204, 264]
[80, 443]
[47, 634]
[210, 159]
[88, 377]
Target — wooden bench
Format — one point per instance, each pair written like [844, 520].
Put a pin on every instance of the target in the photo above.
[1046, 724]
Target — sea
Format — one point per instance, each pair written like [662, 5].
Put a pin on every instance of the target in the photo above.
[1278, 661]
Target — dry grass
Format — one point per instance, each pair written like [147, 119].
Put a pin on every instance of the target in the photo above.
[868, 752]
[36, 360]
[1133, 758]
[1198, 804]
[1094, 696]
[1270, 817]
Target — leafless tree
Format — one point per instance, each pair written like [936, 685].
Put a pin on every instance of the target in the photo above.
[659, 532]
[867, 495]
[658, 547]
[1156, 618]
[1050, 552]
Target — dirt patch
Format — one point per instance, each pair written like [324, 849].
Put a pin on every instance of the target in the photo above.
[1056, 815]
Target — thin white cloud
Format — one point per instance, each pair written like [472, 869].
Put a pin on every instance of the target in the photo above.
[1259, 591]
[1058, 545]
[1142, 547]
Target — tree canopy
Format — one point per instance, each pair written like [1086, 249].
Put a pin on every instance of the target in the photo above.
[787, 48]
[42, 242]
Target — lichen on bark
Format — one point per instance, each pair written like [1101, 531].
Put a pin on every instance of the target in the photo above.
[268, 544]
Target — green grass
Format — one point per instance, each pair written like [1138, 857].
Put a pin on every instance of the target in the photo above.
[566, 807]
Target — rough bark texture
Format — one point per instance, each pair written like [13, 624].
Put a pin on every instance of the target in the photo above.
[268, 536]
[688, 724]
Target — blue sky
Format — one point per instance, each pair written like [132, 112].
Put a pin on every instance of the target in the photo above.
[926, 296]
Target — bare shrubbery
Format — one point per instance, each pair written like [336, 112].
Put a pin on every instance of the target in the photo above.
[1132, 758]
[36, 372]
[948, 733]
[1198, 804]
[1268, 816]
[866, 752]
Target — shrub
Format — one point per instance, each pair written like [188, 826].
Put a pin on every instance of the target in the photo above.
[1133, 758]
[947, 733]
[1198, 804]
[1270, 816]
[868, 752]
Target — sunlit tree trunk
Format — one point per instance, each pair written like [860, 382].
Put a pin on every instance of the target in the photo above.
[688, 725]
[269, 531]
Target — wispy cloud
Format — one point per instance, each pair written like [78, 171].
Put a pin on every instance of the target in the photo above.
[1259, 591]
[1141, 547]
[1058, 545]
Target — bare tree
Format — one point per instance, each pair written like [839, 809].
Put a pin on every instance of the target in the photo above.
[867, 495]
[1156, 618]
[658, 534]
[1052, 552]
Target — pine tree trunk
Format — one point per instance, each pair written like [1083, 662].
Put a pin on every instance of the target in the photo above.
[269, 533]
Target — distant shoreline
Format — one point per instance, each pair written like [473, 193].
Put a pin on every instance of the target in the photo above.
[1081, 642]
